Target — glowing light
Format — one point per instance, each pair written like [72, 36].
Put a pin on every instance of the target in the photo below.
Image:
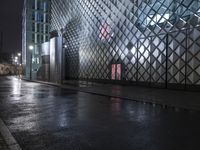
[31, 47]
[158, 18]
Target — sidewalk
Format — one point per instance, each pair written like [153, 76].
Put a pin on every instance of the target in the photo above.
[164, 97]
[3, 145]
[187, 100]
[7, 141]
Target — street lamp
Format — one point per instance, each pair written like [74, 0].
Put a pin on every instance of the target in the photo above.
[31, 47]
[16, 62]
[65, 46]
[19, 62]
[19, 57]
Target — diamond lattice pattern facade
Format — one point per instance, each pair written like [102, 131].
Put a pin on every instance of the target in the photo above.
[143, 41]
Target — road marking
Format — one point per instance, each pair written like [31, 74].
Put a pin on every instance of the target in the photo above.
[9, 139]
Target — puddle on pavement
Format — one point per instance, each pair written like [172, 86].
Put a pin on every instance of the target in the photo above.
[16, 95]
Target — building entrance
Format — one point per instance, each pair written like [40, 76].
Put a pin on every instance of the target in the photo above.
[116, 71]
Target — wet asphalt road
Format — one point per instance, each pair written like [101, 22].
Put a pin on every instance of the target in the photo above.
[43, 117]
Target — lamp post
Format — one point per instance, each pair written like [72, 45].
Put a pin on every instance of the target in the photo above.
[19, 64]
[16, 60]
[19, 55]
[31, 47]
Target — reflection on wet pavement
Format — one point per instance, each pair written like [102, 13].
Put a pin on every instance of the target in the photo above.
[44, 117]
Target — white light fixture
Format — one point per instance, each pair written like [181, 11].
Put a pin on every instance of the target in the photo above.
[16, 58]
[31, 47]
[19, 54]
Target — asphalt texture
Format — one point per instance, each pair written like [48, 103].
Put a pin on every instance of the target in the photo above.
[43, 117]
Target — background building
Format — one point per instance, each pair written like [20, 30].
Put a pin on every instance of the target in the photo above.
[35, 32]
[1, 41]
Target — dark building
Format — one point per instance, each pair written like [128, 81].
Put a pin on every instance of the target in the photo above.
[6, 58]
[1, 41]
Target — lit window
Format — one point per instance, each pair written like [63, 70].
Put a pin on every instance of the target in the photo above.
[45, 6]
[158, 18]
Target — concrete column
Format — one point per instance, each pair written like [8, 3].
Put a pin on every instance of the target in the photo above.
[56, 59]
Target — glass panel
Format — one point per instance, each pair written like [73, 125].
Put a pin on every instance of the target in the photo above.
[118, 75]
[193, 57]
[113, 72]
[176, 57]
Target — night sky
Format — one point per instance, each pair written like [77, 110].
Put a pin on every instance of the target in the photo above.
[10, 24]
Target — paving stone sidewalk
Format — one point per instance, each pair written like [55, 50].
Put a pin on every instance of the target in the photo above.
[177, 99]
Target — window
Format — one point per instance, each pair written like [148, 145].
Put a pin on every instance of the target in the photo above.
[45, 6]
[42, 38]
[47, 29]
[33, 38]
[41, 5]
[33, 5]
[38, 38]
[46, 18]
[158, 18]
[42, 28]
[38, 27]
[33, 27]
[33, 15]
[46, 38]
[40, 17]
[38, 5]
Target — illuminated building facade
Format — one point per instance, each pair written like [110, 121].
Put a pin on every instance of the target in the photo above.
[35, 31]
[151, 42]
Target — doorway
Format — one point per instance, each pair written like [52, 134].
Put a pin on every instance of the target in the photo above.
[116, 71]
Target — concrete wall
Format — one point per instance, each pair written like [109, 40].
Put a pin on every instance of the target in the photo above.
[7, 69]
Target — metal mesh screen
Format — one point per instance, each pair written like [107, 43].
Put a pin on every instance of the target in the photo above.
[155, 41]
